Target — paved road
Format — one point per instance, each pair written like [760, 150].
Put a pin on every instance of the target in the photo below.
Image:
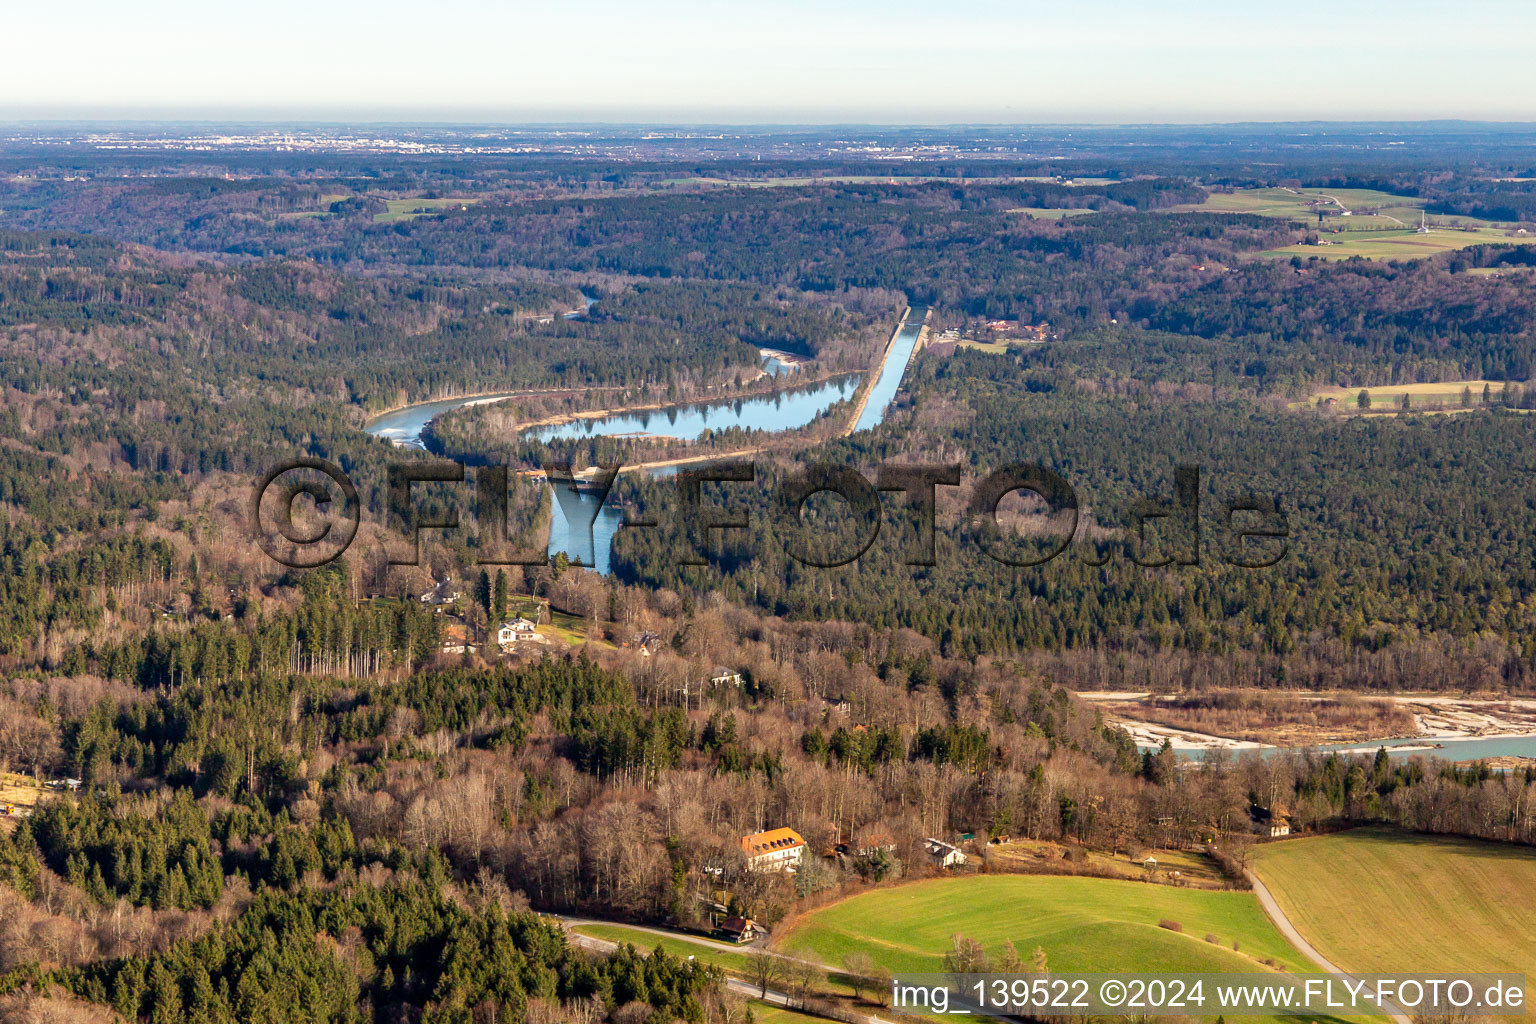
[724, 947]
[746, 988]
[1272, 908]
[735, 984]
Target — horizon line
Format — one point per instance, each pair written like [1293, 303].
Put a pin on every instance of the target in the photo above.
[235, 117]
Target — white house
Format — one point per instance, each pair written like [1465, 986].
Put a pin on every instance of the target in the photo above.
[740, 929]
[725, 677]
[442, 592]
[516, 631]
[778, 849]
[456, 639]
[944, 854]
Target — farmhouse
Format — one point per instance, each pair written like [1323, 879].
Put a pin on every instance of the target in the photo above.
[872, 841]
[778, 849]
[443, 592]
[836, 706]
[646, 643]
[725, 677]
[944, 854]
[740, 929]
[515, 632]
[455, 639]
[1270, 821]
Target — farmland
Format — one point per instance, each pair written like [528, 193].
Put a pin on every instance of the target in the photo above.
[1049, 212]
[1421, 396]
[1082, 924]
[1188, 868]
[1398, 244]
[1451, 903]
[1365, 206]
[407, 209]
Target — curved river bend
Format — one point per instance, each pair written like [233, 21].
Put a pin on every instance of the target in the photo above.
[788, 409]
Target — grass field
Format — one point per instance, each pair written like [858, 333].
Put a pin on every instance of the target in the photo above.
[1401, 244]
[570, 630]
[20, 794]
[1389, 397]
[1370, 212]
[767, 1013]
[19, 791]
[1377, 900]
[1193, 868]
[735, 963]
[405, 209]
[1049, 212]
[997, 348]
[1304, 204]
[1083, 924]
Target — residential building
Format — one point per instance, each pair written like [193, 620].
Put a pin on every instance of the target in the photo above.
[646, 643]
[778, 849]
[944, 854]
[740, 929]
[725, 677]
[456, 639]
[516, 631]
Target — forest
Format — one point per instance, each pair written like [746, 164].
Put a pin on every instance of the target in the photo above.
[252, 788]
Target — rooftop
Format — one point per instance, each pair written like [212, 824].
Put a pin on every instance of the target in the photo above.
[767, 842]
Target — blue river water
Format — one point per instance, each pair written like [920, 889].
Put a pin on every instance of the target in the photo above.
[1473, 748]
[405, 426]
[776, 366]
[568, 531]
[892, 370]
[783, 410]
[789, 409]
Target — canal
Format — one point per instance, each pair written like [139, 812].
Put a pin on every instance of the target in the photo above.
[787, 409]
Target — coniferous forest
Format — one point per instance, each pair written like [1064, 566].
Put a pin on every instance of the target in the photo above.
[240, 790]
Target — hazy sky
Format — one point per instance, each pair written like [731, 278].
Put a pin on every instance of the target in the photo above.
[795, 61]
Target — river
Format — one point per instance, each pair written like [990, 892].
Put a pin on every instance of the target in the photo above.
[893, 369]
[1471, 748]
[787, 409]
[783, 410]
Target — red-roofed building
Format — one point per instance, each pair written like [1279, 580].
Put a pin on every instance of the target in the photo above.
[778, 849]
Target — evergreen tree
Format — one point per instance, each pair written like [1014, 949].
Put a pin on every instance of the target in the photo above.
[483, 591]
[499, 598]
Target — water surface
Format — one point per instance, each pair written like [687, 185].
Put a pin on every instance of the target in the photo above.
[783, 410]
[892, 371]
[789, 409]
[1473, 748]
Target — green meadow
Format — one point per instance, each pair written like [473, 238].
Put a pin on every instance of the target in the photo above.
[1082, 924]
[1375, 900]
[1400, 244]
[406, 209]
